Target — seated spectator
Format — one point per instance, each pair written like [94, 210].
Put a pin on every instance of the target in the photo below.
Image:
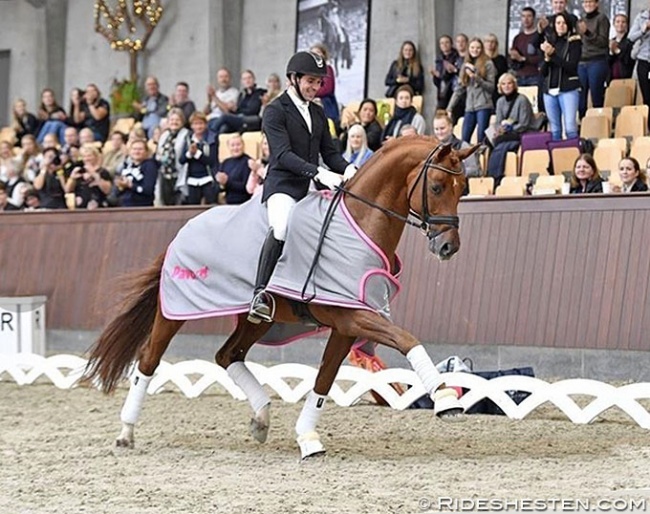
[51, 116]
[445, 73]
[181, 100]
[444, 132]
[476, 84]
[514, 117]
[93, 112]
[6, 159]
[74, 111]
[51, 141]
[32, 201]
[404, 113]
[222, 99]
[233, 173]
[585, 177]
[405, 70]
[23, 122]
[50, 182]
[561, 84]
[407, 130]
[366, 116]
[90, 183]
[86, 137]
[246, 116]
[171, 168]
[634, 179]
[491, 45]
[524, 55]
[5, 205]
[114, 156]
[200, 159]
[136, 183]
[273, 89]
[153, 107]
[16, 184]
[70, 138]
[31, 157]
[327, 91]
[258, 168]
[356, 150]
[621, 64]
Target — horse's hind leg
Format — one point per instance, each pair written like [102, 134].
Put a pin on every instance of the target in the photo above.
[338, 346]
[161, 334]
[231, 357]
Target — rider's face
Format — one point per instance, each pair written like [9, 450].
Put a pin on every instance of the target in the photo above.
[309, 86]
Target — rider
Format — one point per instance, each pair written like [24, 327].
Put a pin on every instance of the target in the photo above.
[297, 132]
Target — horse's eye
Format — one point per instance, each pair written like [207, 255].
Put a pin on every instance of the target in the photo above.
[436, 189]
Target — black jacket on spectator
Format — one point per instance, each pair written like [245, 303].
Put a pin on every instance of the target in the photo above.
[144, 176]
[28, 124]
[238, 171]
[639, 186]
[99, 127]
[592, 186]
[416, 82]
[562, 70]
[52, 194]
[621, 65]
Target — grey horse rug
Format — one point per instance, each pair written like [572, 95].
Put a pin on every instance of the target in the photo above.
[209, 269]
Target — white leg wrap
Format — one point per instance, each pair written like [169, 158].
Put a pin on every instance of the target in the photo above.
[310, 414]
[135, 398]
[424, 368]
[253, 390]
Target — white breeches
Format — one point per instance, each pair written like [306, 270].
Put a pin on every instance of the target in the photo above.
[279, 207]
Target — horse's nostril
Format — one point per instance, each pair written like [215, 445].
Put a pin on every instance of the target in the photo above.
[445, 250]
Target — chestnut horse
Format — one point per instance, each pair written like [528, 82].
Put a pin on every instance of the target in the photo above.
[414, 180]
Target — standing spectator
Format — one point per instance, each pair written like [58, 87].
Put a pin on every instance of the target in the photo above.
[74, 111]
[593, 68]
[258, 168]
[356, 150]
[200, 159]
[477, 82]
[234, 171]
[405, 114]
[491, 45]
[641, 31]
[51, 116]
[367, 117]
[181, 100]
[585, 177]
[561, 82]
[5, 205]
[136, 183]
[153, 107]
[546, 24]
[171, 169]
[221, 100]
[113, 157]
[443, 129]
[462, 44]
[405, 70]
[445, 72]
[327, 92]
[621, 64]
[633, 178]
[50, 181]
[93, 112]
[246, 116]
[524, 53]
[23, 122]
[90, 182]
[462, 47]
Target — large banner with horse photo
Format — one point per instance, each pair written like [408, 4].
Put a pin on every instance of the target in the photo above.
[342, 26]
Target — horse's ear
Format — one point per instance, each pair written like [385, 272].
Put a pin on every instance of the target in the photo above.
[444, 151]
[466, 152]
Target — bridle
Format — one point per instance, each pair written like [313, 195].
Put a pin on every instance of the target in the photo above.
[426, 221]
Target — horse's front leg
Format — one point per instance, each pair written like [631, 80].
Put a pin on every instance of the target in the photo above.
[338, 346]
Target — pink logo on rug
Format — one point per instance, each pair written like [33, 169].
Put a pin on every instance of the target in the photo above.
[187, 274]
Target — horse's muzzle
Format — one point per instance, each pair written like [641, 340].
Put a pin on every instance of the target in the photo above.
[445, 244]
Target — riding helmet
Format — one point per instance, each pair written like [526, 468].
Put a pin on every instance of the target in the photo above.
[306, 63]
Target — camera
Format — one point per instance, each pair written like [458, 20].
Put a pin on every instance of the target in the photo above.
[56, 160]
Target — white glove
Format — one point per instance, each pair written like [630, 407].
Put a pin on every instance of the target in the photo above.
[328, 178]
[350, 171]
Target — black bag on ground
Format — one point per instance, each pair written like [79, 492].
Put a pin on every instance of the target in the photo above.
[487, 406]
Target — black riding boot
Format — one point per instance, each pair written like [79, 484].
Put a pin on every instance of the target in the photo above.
[262, 305]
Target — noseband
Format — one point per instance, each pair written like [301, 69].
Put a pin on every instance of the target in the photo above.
[427, 221]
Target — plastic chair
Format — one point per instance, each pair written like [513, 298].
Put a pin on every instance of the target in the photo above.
[481, 186]
[530, 92]
[535, 161]
[549, 183]
[124, 125]
[630, 124]
[512, 164]
[601, 111]
[510, 190]
[618, 96]
[641, 153]
[607, 158]
[595, 127]
[224, 150]
[629, 83]
[643, 109]
[614, 142]
[252, 143]
[563, 159]
[417, 103]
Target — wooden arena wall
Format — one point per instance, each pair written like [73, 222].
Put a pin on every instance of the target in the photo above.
[554, 272]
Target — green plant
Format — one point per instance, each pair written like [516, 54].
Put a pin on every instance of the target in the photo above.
[123, 94]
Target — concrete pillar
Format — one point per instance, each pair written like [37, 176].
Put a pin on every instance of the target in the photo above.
[226, 29]
[56, 16]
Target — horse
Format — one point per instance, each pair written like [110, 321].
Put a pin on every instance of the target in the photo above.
[413, 180]
[336, 39]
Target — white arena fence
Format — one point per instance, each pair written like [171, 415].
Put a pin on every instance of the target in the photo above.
[64, 371]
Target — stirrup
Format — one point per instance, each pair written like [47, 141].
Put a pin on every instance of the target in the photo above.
[262, 308]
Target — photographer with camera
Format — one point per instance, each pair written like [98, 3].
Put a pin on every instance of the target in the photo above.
[50, 181]
[89, 182]
[93, 112]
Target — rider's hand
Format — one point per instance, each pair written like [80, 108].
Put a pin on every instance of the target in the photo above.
[328, 178]
[349, 172]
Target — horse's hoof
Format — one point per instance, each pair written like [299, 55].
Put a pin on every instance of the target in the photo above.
[124, 443]
[259, 426]
[446, 405]
[310, 446]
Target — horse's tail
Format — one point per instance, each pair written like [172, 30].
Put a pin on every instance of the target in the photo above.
[119, 343]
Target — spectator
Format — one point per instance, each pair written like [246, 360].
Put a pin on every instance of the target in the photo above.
[181, 100]
[32, 201]
[31, 158]
[621, 64]
[462, 47]
[71, 138]
[222, 100]
[200, 159]
[477, 82]
[90, 183]
[51, 141]
[404, 113]
[136, 183]
[546, 25]
[586, 177]
[407, 130]
[51, 116]
[153, 107]
[74, 111]
[633, 178]
[405, 70]
[524, 55]
[273, 89]
[258, 168]
[357, 151]
[491, 45]
[641, 31]
[50, 181]
[23, 122]
[443, 129]
[6, 159]
[171, 169]
[246, 116]
[86, 136]
[93, 113]
[593, 68]
[514, 117]
[561, 82]
[114, 156]
[15, 183]
[327, 91]
[234, 172]
[5, 205]
[367, 117]
[445, 72]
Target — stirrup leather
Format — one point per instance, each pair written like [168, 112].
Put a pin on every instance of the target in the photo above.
[262, 308]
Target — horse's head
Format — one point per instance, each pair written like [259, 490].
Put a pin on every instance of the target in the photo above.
[434, 190]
